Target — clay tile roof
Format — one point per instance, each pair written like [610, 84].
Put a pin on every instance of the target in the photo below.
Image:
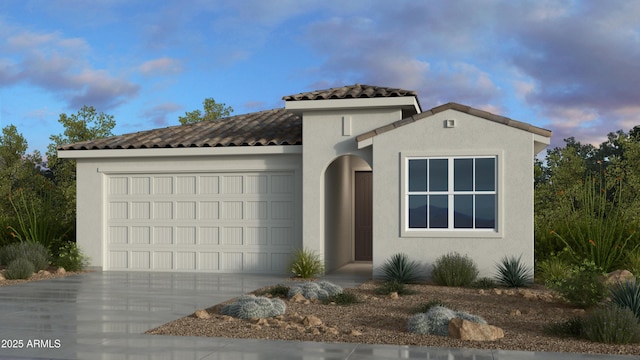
[270, 127]
[351, 92]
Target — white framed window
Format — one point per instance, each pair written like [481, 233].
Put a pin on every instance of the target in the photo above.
[453, 193]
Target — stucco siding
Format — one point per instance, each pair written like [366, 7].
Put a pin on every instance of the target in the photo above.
[471, 136]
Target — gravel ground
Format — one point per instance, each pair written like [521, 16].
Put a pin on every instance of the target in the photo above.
[379, 319]
[51, 273]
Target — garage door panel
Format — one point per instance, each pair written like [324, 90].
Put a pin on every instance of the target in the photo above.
[240, 222]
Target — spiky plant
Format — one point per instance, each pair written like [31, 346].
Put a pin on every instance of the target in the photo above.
[399, 268]
[254, 307]
[512, 272]
[626, 294]
[321, 290]
[306, 264]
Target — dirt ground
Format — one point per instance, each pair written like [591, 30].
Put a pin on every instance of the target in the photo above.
[379, 319]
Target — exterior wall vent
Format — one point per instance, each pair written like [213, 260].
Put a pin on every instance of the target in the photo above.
[450, 123]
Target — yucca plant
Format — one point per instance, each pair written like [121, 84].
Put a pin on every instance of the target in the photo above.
[626, 294]
[513, 273]
[306, 264]
[399, 268]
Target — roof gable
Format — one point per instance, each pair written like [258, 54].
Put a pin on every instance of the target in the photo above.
[458, 107]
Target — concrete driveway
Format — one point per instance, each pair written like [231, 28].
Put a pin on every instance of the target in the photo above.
[103, 315]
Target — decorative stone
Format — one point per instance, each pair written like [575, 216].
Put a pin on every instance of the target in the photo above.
[311, 320]
[618, 276]
[298, 298]
[515, 312]
[202, 314]
[2, 277]
[355, 332]
[496, 291]
[467, 330]
[527, 294]
[227, 318]
[394, 295]
[44, 272]
[61, 270]
[481, 291]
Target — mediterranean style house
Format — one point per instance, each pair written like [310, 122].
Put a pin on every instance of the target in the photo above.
[356, 173]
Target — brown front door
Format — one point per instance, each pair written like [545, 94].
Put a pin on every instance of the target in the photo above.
[363, 216]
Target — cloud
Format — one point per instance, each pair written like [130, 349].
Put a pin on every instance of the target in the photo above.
[161, 66]
[159, 113]
[60, 65]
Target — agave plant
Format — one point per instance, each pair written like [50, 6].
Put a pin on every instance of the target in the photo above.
[513, 273]
[399, 268]
[627, 294]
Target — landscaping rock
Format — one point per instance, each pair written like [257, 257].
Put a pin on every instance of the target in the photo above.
[298, 298]
[618, 276]
[355, 332]
[202, 314]
[394, 295]
[61, 270]
[467, 330]
[310, 321]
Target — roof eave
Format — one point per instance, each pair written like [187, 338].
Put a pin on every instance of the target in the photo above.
[403, 102]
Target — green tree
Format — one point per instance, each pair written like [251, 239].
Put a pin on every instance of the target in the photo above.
[212, 111]
[87, 124]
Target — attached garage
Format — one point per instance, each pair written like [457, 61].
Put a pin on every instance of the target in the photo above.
[214, 222]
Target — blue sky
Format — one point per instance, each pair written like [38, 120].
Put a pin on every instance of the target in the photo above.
[569, 66]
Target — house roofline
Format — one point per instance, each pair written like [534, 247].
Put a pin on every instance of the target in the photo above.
[365, 137]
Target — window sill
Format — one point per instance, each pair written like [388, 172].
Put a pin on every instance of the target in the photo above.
[451, 234]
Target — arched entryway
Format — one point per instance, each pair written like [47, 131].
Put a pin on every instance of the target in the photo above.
[348, 201]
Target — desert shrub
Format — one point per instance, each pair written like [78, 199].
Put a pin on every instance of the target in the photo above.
[344, 298]
[388, 287]
[279, 290]
[553, 270]
[400, 268]
[436, 321]
[454, 269]
[584, 285]
[513, 273]
[611, 325]
[254, 307]
[20, 268]
[70, 257]
[626, 294]
[632, 262]
[594, 227]
[320, 290]
[306, 264]
[425, 307]
[571, 327]
[36, 253]
[484, 283]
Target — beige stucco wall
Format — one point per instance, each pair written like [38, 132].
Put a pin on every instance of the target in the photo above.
[327, 135]
[470, 136]
[92, 174]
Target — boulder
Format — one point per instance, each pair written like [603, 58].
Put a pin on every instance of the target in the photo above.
[618, 276]
[61, 270]
[311, 320]
[467, 330]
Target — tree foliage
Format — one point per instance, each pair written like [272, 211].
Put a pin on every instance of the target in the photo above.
[212, 111]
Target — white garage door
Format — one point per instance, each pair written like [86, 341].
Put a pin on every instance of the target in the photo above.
[220, 222]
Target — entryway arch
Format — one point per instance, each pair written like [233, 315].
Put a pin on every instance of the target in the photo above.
[347, 211]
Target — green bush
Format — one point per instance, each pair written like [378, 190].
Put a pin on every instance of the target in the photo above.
[567, 328]
[584, 285]
[611, 325]
[632, 262]
[344, 298]
[553, 271]
[70, 257]
[484, 283]
[399, 268]
[513, 273]
[306, 264]
[626, 294]
[279, 290]
[454, 269]
[388, 287]
[36, 253]
[19, 268]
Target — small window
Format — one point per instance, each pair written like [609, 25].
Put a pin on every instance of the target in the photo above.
[453, 193]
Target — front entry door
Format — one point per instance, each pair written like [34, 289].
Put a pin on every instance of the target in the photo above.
[363, 216]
